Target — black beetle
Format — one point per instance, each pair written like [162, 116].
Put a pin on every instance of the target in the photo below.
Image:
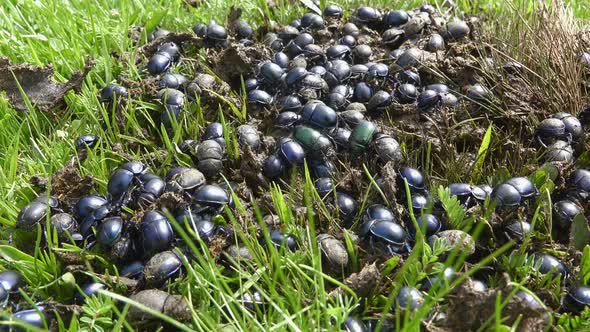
[87, 290]
[564, 212]
[391, 234]
[209, 156]
[278, 239]
[113, 92]
[378, 212]
[109, 231]
[86, 142]
[11, 281]
[576, 299]
[156, 234]
[409, 298]
[31, 215]
[212, 195]
[550, 264]
[273, 167]
[161, 267]
[415, 178]
[34, 317]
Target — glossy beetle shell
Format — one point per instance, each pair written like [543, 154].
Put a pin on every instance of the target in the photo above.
[576, 299]
[31, 215]
[156, 234]
[409, 298]
[161, 267]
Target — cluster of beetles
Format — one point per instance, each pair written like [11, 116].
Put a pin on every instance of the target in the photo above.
[327, 85]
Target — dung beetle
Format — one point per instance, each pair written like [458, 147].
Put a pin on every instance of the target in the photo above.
[174, 306]
[435, 43]
[456, 29]
[573, 126]
[551, 129]
[216, 34]
[94, 217]
[524, 186]
[324, 186]
[313, 142]
[367, 15]
[173, 81]
[31, 317]
[419, 202]
[86, 142]
[212, 195]
[132, 270]
[273, 167]
[351, 117]
[429, 100]
[281, 59]
[11, 281]
[271, 73]
[291, 151]
[260, 98]
[135, 167]
[378, 71]
[362, 53]
[338, 72]
[406, 93]
[109, 231]
[31, 215]
[150, 189]
[159, 63]
[312, 21]
[280, 240]
[576, 299]
[333, 11]
[429, 224]
[248, 136]
[322, 168]
[244, 30]
[352, 324]
[214, 131]
[389, 233]
[341, 137]
[346, 206]
[415, 178]
[463, 192]
[161, 267]
[336, 100]
[362, 92]
[361, 136]
[580, 181]
[395, 18]
[319, 116]
[528, 300]
[252, 300]
[333, 251]
[119, 184]
[287, 119]
[157, 33]
[290, 103]
[184, 180]
[444, 278]
[517, 230]
[89, 289]
[549, 264]
[564, 212]
[560, 151]
[380, 100]
[113, 92]
[338, 52]
[156, 234]
[295, 76]
[506, 195]
[409, 298]
[388, 149]
[200, 30]
[64, 224]
[209, 156]
[378, 212]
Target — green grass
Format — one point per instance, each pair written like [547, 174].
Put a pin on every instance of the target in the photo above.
[294, 286]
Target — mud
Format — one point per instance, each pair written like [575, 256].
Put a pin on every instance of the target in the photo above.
[37, 84]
